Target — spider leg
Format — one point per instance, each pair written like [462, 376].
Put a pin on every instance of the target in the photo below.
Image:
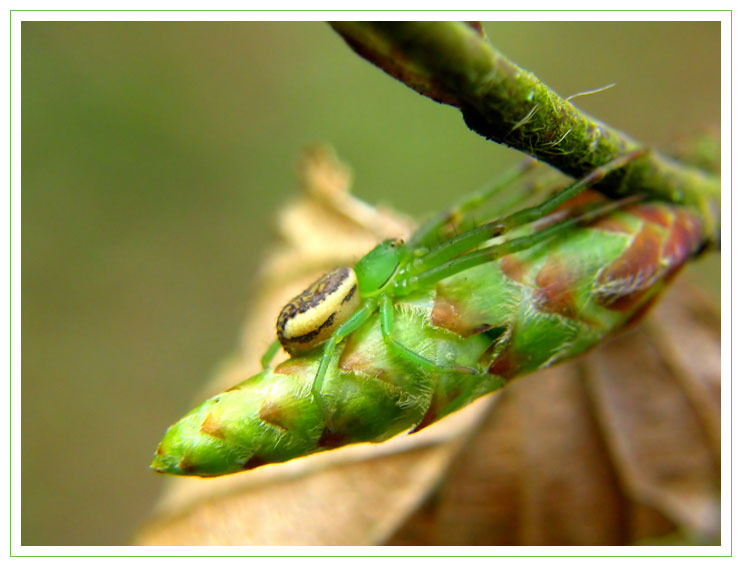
[472, 238]
[429, 277]
[536, 212]
[270, 353]
[387, 325]
[429, 232]
[356, 320]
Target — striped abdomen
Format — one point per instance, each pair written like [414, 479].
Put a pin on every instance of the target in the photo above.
[311, 317]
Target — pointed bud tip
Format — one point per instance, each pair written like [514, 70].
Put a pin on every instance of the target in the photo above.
[165, 463]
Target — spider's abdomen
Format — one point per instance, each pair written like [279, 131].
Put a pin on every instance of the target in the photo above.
[311, 317]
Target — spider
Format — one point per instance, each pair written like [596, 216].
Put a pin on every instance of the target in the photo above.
[343, 299]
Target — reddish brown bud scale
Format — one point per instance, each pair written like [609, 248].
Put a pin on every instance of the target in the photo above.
[555, 285]
[508, 316]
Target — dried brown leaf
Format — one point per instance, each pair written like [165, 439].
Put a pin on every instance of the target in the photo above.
[619, 446]
[616, 447]
[352, 496]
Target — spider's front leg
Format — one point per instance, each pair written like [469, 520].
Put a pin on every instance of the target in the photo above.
[431, 232]
[270, 354]
[471, 239]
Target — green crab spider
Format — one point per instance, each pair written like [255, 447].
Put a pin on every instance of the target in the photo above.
[342, 300]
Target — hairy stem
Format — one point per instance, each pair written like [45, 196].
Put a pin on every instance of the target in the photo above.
[454, 63]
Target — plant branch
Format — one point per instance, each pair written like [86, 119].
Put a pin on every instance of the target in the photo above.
[454, 63]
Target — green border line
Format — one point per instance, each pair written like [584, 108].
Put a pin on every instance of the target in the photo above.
[10, 382]
[10, 278]
[731, 283]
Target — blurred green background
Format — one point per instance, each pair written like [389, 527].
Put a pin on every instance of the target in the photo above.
[154, 157]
